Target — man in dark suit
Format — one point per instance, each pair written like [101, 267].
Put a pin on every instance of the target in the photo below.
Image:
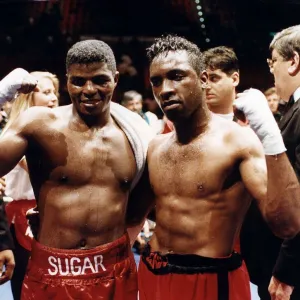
[285, 66]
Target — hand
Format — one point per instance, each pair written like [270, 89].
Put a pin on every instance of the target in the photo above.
[253, 106]
[279, 290]
[29, 84]
[6, 259]
[2, 186]
[33, 217]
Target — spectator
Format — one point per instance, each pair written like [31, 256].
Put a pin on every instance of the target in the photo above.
[273, 101]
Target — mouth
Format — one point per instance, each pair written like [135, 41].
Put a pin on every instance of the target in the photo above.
[170, 104]
[210, 96]
[90, 103]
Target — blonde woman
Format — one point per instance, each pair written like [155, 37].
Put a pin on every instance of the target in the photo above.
[18, 186]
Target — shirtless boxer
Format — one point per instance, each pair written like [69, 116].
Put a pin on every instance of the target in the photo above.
[82, 168]
[199, 174]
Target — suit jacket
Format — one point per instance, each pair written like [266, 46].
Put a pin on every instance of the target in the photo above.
[6, 241]
[287, 267]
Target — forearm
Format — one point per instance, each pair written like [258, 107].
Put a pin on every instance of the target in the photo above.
[282, 208]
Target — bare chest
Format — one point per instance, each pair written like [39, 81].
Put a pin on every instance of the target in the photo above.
[82, 157]
[196, 170]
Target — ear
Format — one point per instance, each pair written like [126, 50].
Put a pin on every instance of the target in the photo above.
[116, 78]
[294, 67]
[235, 76]
[204, 79]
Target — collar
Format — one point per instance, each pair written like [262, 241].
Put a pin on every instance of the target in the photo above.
[229, 116]
[296, 95]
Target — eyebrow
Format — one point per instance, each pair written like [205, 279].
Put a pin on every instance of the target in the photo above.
[170, 72]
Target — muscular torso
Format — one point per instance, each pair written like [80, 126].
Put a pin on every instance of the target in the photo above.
[81, 178]
[200, 198]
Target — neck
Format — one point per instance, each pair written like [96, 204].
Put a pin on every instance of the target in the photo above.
[223, 110]
[95, 121]
[190, 128]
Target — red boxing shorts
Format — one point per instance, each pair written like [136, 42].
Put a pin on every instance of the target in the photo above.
[192, 277]
[16, 214]
[107, 272]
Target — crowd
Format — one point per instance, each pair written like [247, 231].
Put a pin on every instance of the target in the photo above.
[197, 178]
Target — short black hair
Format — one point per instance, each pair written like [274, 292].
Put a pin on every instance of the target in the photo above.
[168, 43]
[222, 58]
[91, 51]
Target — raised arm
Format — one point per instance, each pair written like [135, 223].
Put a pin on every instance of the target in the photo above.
[13, 145]
[264, 177]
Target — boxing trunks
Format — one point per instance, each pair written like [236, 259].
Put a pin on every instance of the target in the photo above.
[192, 277]
[16, 214]
[107, 272]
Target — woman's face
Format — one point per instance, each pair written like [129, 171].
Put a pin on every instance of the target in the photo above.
[46, 94]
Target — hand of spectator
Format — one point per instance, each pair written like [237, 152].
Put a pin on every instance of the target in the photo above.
[6, 259]
[29, 84]
[33, 217]
[2, 186]
[279, 290]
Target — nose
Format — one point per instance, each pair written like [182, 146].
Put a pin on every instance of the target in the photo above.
[89, 89]
[54, 101]
[167, 89]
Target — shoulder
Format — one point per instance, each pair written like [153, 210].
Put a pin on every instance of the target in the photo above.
[158, 141]
[241, 139]
[37, 116]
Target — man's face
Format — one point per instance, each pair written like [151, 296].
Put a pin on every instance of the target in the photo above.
[176, 85]
[221, 88]
[134, 105]
[279, 68]
[273, 101]
[91, 87]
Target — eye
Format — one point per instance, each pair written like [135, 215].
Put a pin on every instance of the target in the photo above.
[155, 82]
[79, 81]
[47, 92]
[101, 80]
[213, 78]
[177, 77]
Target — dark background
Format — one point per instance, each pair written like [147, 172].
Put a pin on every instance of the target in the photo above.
[37, 34]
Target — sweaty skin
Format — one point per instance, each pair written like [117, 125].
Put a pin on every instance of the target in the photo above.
[80, 162]
[204, 172]
[201, 200]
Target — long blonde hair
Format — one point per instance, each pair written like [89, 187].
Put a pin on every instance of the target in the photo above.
[24, 101]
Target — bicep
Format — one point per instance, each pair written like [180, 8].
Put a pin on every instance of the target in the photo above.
[13, 146]
[253, 169]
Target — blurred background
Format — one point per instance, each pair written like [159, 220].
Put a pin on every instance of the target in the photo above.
[36, 35]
